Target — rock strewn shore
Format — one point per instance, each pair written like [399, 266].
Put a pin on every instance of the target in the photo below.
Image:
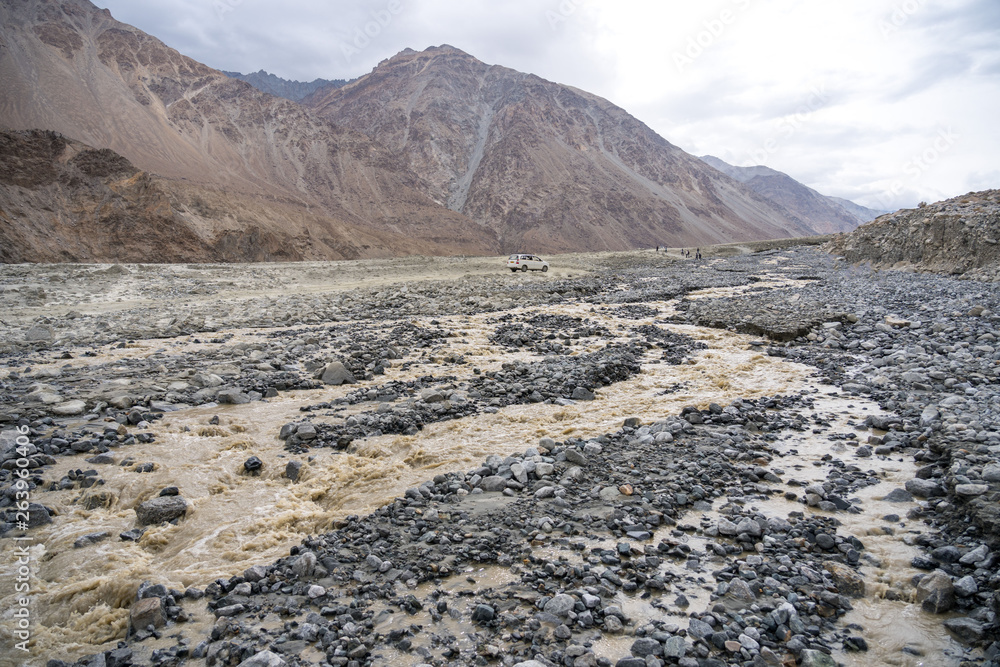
[921, 346]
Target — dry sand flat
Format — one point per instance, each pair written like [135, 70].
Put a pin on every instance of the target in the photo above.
[440, 344]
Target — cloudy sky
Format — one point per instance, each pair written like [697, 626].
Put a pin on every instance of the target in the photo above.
[884, 102]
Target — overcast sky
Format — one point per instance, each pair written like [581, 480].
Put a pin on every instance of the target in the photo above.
[884, 102]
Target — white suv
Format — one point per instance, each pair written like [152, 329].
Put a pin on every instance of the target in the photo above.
[526, 262]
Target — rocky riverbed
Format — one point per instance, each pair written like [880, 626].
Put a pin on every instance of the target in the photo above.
[760, 458]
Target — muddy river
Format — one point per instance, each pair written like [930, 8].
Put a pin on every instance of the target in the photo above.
[80, 597]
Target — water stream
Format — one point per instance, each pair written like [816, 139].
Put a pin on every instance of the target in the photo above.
[81, 595]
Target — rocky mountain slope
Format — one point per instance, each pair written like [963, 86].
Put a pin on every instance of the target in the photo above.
[70, 67]
[432, 152]
[959, 236]
[827, 215]
[546, 165]
[290, 90]
[61, 200]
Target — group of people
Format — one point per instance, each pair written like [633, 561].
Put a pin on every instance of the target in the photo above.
[684, 252]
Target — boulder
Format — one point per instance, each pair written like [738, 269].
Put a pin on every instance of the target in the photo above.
[560, 605]
[69, 408]
[253, 465]
[965, 629]
[146, 612]
[38, 515]
[644, 646]
[739, 596]
[293, 469]
[232, 397]
[336, 373]
[264, 659]
[813, 658]
[39, 333]
[899, 496]
[971, 490]
[493, 483]
[924, 488]
[483, 613]
[849, 582]
[431, 396]
[160, 509]
[936, 592]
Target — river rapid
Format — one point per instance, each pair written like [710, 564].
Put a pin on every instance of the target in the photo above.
[80, 596]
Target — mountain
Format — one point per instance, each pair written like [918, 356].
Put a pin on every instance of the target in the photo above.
[240, 163]
[960, 235]
[828, 215]
[61, 200]
[862, 213]
[547, 166]
[290, 90]
[432, 152]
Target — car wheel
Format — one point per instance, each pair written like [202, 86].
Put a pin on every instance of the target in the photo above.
[524, 267]
[513, 270]
[544, 269]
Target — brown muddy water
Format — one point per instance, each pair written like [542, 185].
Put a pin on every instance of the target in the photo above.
[80, 597]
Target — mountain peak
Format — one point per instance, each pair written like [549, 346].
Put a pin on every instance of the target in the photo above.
[296, 91]
[446, 47]
[825, 214]
[547, 166]
[433, 152]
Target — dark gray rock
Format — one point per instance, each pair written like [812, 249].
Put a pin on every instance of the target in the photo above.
[146, 612]
[89, 539]
[264, 659]
[644, 646]
[160, 509]
[335, 373]
[232, 397]
[924, 488]
[253, 465]
[483, 613]
[965, 629]
[493, 483]
[936, 593]
[560, 605]
[899, 496]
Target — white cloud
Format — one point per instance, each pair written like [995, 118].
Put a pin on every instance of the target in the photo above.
[848, 97]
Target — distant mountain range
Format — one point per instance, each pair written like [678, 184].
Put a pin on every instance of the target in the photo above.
[433, 152]
[290, 90]
[827, 215]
